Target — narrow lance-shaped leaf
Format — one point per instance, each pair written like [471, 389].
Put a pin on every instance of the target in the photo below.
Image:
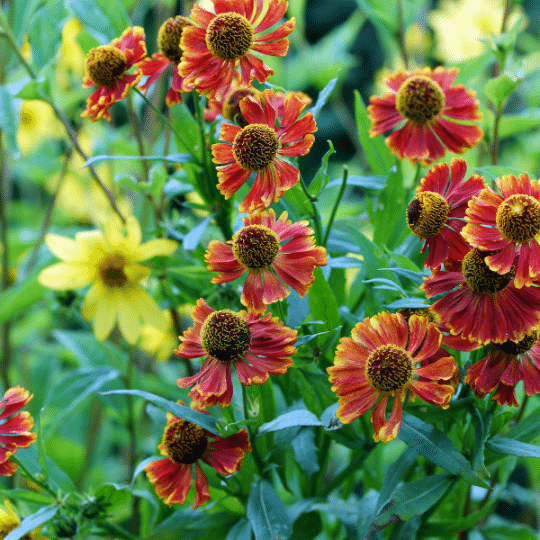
[43, 515]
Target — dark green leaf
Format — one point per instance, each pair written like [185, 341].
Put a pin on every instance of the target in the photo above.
[45, 33]
[267, 514]
[28, 524]
[322, 98]
[300, 417]
[506, 530]
[437, 447]
[481, 433]
[502, 445]
[395, 474]
[203, 420]
[307, 526]
[528, 428]
[305, 451]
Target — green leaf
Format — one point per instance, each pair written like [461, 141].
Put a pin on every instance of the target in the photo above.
[172, 158]
[377, 154]
[437, 448]
[498, 90]
[364, 182]
[35, 89]
[112, 495]
[106, 18]
[322, 98]
[395, 474]
[481, 433]
[241, 530]
[193, 237]
[8, 119]
[301, 417]
[305, 451]
[528, 428]
[506, 530]
[511, 124]
[307, 526]
[21, 296]
[502, 445]
[45, 33]
[28, 524]
[267, 514]
[203, 420]
[321, 178]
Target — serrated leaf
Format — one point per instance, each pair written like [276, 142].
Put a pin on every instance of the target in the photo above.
[437, 448]
[267, 513]
[301, 417]
[203, 420]
[503, 445]
[28, 524]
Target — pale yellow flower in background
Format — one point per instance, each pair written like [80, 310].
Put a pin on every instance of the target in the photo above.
[460, 24]
[159, 343]
[38, 122]
[71, 57]
[417, 40]
[9, 521]
[108, 262]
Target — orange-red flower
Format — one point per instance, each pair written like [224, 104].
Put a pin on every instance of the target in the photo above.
[185, 444]
[274, 131]
[275, 253]
[436, 214]
[428, 114]
[385, 356]
[509, 225]
[106, 67]
[14, 431]
[481, 304]
[504, 366]
[256, 346]
[219, 43]
[169, 54]
[228, 105]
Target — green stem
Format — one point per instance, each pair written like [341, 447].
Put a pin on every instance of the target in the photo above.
[401, 34]
[317, 224]
[254, 452]
[30, 476]
[336, 205]
[138, 136]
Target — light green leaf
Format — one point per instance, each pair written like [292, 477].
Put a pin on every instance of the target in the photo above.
[503, 445]
[28, 524]
[21, 296]
[106, 18]
[324, 94]
[301, 417]
[498, 90]
[321, 178]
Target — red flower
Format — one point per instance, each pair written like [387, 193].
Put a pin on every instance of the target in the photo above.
[226, 39]
[504, 366]
[273, 131]
[228, 105]
[14, 431]
[274, 252]
[169, 54]
[436, 213]
[481, 304]
[509, 225]
[427, 111]
[256, 346]
[184, 444]
[388, 356]
[107, 66]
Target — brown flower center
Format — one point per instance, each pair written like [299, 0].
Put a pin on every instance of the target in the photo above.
[225, 335]
[419, 99]
[184, 442]
[518, 347]
[231, 104]
[105, 65]
[255, 147]
[479, 277]
[111, 270]
[427, 213]
[388, 368]
[255, 246]
[169, 36]
[518, 218]
[229, 36]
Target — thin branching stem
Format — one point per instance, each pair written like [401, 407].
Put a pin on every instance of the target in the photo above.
[317, 224]
[336, 205]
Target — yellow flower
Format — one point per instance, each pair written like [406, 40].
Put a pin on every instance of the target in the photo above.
[157, 342]
[108, 262]
[9, 521]
[460, 24]
[38, 122]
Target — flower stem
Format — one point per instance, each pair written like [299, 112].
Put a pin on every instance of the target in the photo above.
[254, 452]
[401, 34]
[138, 136]
[30, 476]
[336, 205]
[317, 225]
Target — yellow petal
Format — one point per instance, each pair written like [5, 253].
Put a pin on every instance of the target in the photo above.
[136, 272]
[113, 232]
[158, 246]
[134, 233]
[105, 317]
[93, 295]
[63, 275]
[64, 248]
[128, 319]
[148, 309]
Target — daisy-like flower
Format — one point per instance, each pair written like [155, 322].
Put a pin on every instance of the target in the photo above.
[426, 112]
[106, 67]
[436, 214]
[505, 365]
[170, 53]
[274, 131]
[256, 346]
[480, 304]
[9, 520]
[221, 42]
[385, 356]
[275, 253]
[15, 427]
[509, 225]
[185, 444]
[109, 262]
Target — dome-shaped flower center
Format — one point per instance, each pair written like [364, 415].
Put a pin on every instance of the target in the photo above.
[225, 335]
[184, 442]
[111, 270]
[388, 368]
[169, 36]
[255, 246]
[518, 218]
[479, 277]
[427, 213]
[105, 65]
[419, 99]
[231, 104]
[229, 36]
[518, 347]
[255, 147]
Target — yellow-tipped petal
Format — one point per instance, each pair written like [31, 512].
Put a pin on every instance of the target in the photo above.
[106, 310]
[158, 246]
[62, 276]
